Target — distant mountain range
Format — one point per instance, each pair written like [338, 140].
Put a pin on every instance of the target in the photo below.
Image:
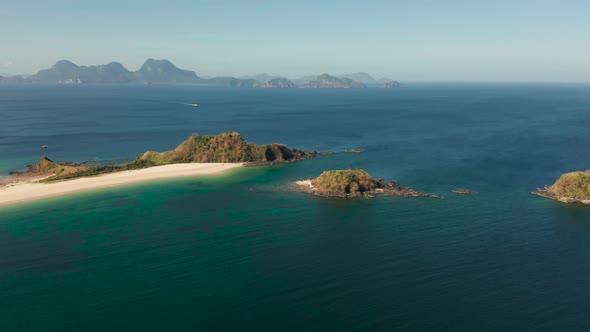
[264, 77]
[360, 77]
[276, 83]
[326, 81]
[165, 72]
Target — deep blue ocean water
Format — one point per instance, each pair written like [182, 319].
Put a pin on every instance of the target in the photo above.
[242, 252]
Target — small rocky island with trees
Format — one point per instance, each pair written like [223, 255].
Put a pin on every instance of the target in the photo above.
[354, 183]
[571, 187]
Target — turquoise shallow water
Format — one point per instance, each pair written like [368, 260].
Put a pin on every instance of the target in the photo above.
[240, 251]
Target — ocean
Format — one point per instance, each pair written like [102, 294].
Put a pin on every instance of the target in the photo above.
[242, 251]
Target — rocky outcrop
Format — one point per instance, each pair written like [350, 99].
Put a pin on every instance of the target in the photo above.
[354, 183]
[462, 191]
[571, 187]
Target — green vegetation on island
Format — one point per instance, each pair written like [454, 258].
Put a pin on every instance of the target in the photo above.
[571, 187]
[354, 183]
[222, 148]
[225, 148]
[57, 172]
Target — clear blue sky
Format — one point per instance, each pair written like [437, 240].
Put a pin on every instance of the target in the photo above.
[410, 40]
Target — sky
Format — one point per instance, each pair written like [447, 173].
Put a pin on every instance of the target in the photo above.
[407, 40]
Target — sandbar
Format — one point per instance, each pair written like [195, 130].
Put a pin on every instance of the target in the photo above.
[33, 190]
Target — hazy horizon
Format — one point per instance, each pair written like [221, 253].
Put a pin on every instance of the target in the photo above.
[527, 41]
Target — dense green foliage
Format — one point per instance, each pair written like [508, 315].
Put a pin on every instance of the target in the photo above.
[46, 165]
[222, 148]
[348, 181]
[98, 170]
[573, 185]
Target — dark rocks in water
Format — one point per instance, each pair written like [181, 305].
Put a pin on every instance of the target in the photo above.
[355, 183]
[462, 191]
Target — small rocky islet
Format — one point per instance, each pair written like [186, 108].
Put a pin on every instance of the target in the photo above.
[462, 191]
[353, 183]
[571, 187]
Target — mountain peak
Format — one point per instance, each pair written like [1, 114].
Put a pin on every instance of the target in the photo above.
[328, 81]
[158, 65]
[154, 70]
[114, 64]
[65, 64]
[360, 77]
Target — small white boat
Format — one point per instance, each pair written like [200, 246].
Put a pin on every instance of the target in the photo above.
[44, 146]
[193, 105]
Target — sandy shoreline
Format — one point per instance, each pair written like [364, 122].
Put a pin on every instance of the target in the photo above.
[29, 191]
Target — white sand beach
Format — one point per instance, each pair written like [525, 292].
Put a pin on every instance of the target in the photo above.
[28, 191]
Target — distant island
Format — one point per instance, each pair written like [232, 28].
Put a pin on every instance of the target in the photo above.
[354, 183]
[361, 78]
[151, 72]
[326, 81]
[165, 72]
[281, 83]
[571, 187]
[391, 85]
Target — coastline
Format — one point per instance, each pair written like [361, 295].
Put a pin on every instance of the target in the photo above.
[548, 193]
[33, 190]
